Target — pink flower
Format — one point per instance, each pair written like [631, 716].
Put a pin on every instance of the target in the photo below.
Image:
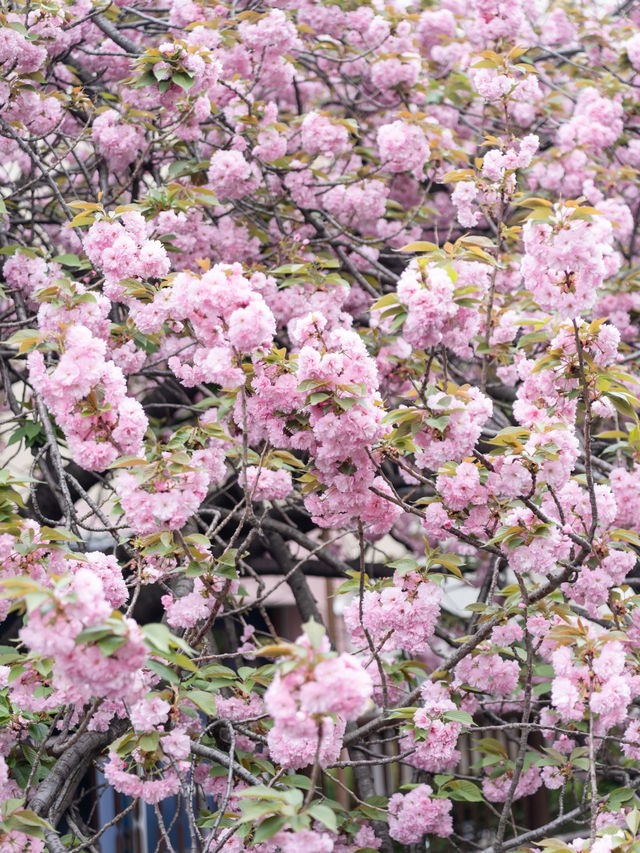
[267, 485]
[414, 814]
[149, 713]
[322, 136]
[231, 176]
[118, 142]
[403, 147]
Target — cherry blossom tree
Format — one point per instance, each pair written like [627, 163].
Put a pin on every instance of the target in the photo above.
[310, 289]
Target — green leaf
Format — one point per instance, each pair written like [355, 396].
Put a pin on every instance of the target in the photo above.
[491, 746]
[318, 397]
[315, 632]
[298, 780]
[163, 671]
[405, 565]
[345, 403]
[633, 821]
[459, 717]
[253, 810]
[325, 815]
[618, 797]
[146, 79]
[149, 741]
[464, 791]
[623, 402]
[198, 539]
[262, 792]
[158, 636]
[439, 424]
[423, 246]
[31, 819]
[58, 535]
[268, 828]
[32, 434]
[385, 301]
[205, 701]
[226, 564]
[310, 385]
[68, 260]
[109, 645]
[182, 79]
[625, 536]
[25, 339]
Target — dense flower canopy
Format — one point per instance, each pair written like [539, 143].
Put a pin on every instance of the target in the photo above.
[294, 288]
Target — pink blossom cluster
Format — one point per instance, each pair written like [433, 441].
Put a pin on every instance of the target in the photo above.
[18, 53]
[29, 274]
[195, 236]
[402, 615]
[489, 673]
[496, 787]
[537, 549]
[272, 406]
[414, 814]
[604, 686]
[197, 605]
[231, 175]
[265, 484]
[15, 841]
[543, 400]
[87, 394]
[600, 341]
[306, 839]
[460, 486]
[122, 249]
[576, 503]
[28, 552]
[496, 162]
[311, 704]
[467, 204]
[362, 202]
[65, 303]
[32, 111]
[228, 317]
[128, 782]
[83, 671]
[403, 147]
[262, 169]
[625, 484]
[631, 745]
[433, 314]
[175, 491]
[435, 27]
[565, 263]
[496, 19]
[632, 47]
[596, 122]
[510, 477]
[149, 713]
[472, 198]
[343, 426]
[315, 840]
[595, 582]
[465, 412]
[320, 135]
[117, 141]
[239, 707]
[433, 738]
